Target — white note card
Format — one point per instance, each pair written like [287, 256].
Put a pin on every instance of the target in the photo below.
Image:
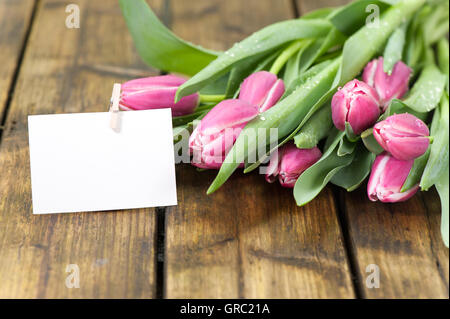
[78, 163]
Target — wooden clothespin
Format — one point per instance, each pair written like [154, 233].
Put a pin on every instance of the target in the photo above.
[114, 107]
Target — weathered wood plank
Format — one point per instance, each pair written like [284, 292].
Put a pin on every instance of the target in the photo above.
[249, 239]
[402, 239]
[15, 17]
[70, 70]
[305, 6]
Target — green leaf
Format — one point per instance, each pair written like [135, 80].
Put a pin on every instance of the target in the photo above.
[443, 56]
[286, 54]
[265, 40]
[185, 119]
[350, 18]
[304, 77]
[345, 146]
[370, 142]
[316, 177]
[320, 47]
[315, 129]
[158, 46]
[322, 80]
[369, 40]
[442, 188]
[394, 48]
[285, 116]
[416, 171]
[427, 91]
[351, 176]
[398, 107]
[435, 25]
[439, 158]
[178, 132]
[218, 87]
[246, 67]
[351, 136]
[414, 46]
[319, 13]
[443, 59]
[292, 69]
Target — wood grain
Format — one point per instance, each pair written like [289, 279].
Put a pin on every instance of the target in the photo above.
[403, 239]
[15, 17]
[70, 70]
[305, 6]
[248, 240]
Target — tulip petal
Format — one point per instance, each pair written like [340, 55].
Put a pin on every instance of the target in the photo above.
[387, 86]
[228, 114]
[408, 125]
[407, 148]
[262, 89]
[402, 135]
[153, 82]
[362, 114]
[273, 168]
[156, 93]
[369, 72]
[296, 160]
[339, 110]
[274, 95]
[357, 104]
[387, 178]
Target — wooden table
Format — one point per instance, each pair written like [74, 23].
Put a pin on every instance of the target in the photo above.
[249, 240]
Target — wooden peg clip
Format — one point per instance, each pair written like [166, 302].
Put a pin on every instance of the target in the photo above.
[114, 107]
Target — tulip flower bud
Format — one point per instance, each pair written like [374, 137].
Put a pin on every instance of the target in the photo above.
[289, 163]
[262, 89]
[388, 87]
[357, 104]
[157, 92]
[387, 178]
[403, 135]
[218, 130]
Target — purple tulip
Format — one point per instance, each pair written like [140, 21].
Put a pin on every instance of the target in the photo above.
[262, 89]
[289, 163]
[387, 178]
[213, 138]
[388, 87]
[357, 104]
[157, 92]
[403, 135]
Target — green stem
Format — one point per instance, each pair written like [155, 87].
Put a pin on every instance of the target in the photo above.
[285, 55]
[212, 98]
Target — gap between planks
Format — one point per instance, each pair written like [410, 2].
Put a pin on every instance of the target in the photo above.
[161, 222]
[15, 75]
[340, 208]
[160, 254]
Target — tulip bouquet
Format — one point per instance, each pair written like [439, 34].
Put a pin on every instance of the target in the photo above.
[336, 96]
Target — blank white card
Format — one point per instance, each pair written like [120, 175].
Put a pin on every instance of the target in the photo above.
[78, 163]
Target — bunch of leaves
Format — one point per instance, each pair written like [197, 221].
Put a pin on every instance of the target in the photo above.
[314, 55]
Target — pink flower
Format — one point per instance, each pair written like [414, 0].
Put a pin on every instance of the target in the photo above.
[403, 135]
[357, 104]
[388, 87]
[213, 138]
[289, 163]
[387, 178]
[262, 89]
[157, 92]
